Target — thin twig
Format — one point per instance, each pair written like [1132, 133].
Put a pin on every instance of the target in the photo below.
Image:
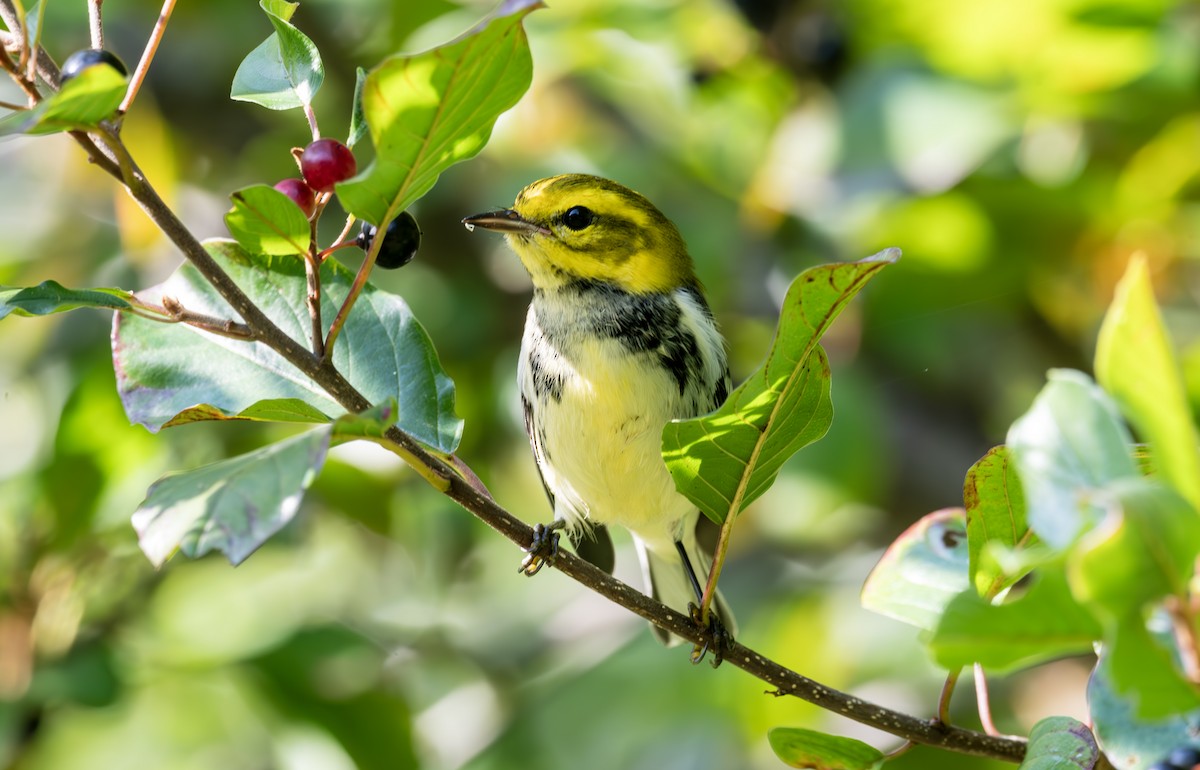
[360, 280]
[1183, 623]
[312, 270]
[175, 312]
[139, 74]
[95, 23]
[312, 121]
[943, 710]
[984, 702]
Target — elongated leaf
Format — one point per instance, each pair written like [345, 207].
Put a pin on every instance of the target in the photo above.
[922, 571]
[285, 70]
[358, 118]
[268, 410]
[725, 460]
[1144, 550]
[1069, 445]
[163, 370]
[1045, 623]
[995, 506]
[1061, 743]
[52, 297]
[232, 506]
[429, 111]
[1136, 364]
[265, 221]
[798, 747]
[86, 99]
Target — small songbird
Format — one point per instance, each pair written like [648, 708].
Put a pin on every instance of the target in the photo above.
[618, 341]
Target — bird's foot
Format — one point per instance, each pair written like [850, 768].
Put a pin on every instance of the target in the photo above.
[717, 638]
[544, 548]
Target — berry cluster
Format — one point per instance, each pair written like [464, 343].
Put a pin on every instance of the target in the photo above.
[323, 164]
[1182, 758]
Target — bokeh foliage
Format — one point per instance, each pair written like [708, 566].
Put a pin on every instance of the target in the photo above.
[1019, 153]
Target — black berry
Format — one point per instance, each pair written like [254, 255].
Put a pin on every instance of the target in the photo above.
[90, 57]
[400, 241]
[1184, 757]
[326, 162]
[300, 193]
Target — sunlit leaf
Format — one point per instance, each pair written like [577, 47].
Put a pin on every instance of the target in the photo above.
[1143, 550]
[1069, 444]
[358, 119]
[725, 460]
[163, 370]
[995, 507]
[86, 99]
[232, 506]
[1136, 364]
[1045, 623]
[429, 111]
[52, 297]
[921, 571]
[285, 70]
[269, 410]
[265, 221]
[1061, 743]
[798, 747]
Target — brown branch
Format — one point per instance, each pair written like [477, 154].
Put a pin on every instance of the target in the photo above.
[96, 23]
[139, 74]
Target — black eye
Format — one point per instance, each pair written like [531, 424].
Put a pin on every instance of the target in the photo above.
[578, 217]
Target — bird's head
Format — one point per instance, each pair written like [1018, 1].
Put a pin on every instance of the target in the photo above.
[580, 227]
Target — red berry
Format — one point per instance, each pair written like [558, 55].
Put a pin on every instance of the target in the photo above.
[300, 193]
[326, 162]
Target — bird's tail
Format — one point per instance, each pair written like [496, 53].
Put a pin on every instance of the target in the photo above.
[669, 582]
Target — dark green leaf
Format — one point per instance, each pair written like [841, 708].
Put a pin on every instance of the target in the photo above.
[1129, 738]
[52, 297]
[285, 70]
[725, 460]
[1136, 364]
[429, 111]
[232, 506]
[163, 369]
[86, 99]
[995, 517]
[1069, 444]
[265, 221]
[922, 571]
[1043, 624]
[798, 747]
[1061, 743]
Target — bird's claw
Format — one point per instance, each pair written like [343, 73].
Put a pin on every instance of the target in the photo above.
[717, 638]
[544, 548]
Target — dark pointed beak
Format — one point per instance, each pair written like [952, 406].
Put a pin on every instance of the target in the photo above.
[504, 221]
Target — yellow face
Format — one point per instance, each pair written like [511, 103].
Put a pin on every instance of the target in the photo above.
[580, 227]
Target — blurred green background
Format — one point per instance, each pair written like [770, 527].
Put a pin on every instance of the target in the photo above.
[1019, 151]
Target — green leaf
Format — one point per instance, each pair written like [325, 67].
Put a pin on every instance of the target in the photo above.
[1061, 743]
[922, 571]
[1142, 666]
[232, 506]
[1069, 444]
[165, 369]
[1136, 364]
[285, 70]
[86, 99]
[429, 111]
[725, 460]
[358, 119]
[798, 747]
[369, 425]
[1130, 738]
[265, 221]
[995, 507]
[1043, 624]
[1143, 550]
[268, 410]
[52, 297]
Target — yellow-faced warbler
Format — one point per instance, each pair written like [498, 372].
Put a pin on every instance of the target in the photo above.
[618, 341]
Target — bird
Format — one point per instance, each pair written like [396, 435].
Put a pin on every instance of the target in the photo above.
[619, 339]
